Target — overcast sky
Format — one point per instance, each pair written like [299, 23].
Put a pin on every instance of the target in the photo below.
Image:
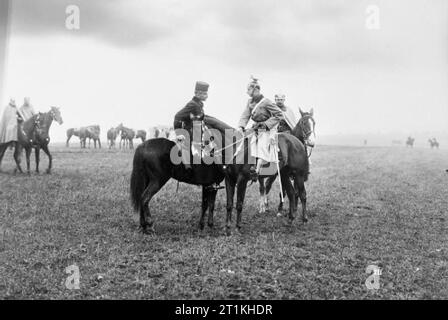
[136, 62]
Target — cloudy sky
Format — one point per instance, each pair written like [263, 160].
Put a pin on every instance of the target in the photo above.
[136, 61]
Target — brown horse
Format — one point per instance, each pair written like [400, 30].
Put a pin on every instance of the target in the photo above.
[112, 136]
[92, 133]
[141, 134]
[304, 130]
[410, 142]
[72, 132]
[433, 143]
[34, 133]
[127, 135]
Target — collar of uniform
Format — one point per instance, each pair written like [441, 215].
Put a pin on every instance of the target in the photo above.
[196, 99]
[282, 107]
[257, 98]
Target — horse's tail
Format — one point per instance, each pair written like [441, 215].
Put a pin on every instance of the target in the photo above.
[139, 178]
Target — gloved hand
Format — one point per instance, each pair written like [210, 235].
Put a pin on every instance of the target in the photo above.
[261, 125]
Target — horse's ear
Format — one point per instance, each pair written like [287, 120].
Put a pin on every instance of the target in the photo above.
[301, 112]
[311, 111]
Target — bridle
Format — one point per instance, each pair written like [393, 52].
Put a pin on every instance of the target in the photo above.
[307, 133]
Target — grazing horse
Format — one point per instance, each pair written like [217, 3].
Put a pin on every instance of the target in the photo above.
[112, 136]
[72, 132]
[127, 135]
[410, 142]
[92, 133]
[34, 133]
[153, 167]
[433, 143]
[141, 134]
[304, 130]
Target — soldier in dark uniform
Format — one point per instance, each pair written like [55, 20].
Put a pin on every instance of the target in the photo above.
[193, 108]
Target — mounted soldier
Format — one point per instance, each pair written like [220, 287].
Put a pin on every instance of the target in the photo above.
[182, 119]
[9, 124]
[27, 109]
[289, 121]
[263, 117]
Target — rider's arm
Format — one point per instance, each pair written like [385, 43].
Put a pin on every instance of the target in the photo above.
[276, 115]
[244, 119]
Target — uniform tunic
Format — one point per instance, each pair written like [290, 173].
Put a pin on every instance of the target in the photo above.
[261, 110]
[194, 107]
[289, 121]
[8, 124]
[27, 111]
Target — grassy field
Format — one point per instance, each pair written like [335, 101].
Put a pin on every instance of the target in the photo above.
[367, 206]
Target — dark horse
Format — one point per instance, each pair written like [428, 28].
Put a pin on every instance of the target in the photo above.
[153, 167]
[127, 135]
[410, 142]
[303, 130]
[112, 136]
[34, 133]
[141, 134]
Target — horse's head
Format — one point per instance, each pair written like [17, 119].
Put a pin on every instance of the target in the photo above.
[56, 115]
[305, 127]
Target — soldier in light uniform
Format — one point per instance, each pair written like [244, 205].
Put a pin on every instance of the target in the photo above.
[27, 109]
[289, 121]
[8, 123]
[263, 116]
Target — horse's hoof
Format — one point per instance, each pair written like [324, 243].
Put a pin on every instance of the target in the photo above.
[304, 220]
[201, 226]
[279, 215]
[228, 232]
[147, 230]
[48, 171]
[210, 225]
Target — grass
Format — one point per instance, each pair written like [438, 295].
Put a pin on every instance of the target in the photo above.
[367, 205]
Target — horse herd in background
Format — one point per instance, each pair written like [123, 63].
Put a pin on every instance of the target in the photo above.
[433, 143]
[126, 135]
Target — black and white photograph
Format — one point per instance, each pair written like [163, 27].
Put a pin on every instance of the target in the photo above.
[239, 151]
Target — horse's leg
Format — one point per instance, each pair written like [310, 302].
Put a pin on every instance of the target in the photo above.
[262, 203]
[300, 182]
[17, 154]
[27, 155]
[99, 143]
[240, 194]
[131, 143]
[204, 207]
[50, 158]
[269, 183]
[3, 148]
[230, 192]
[146, 221]
[211, 206]
[287, 185]
[37, 155]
